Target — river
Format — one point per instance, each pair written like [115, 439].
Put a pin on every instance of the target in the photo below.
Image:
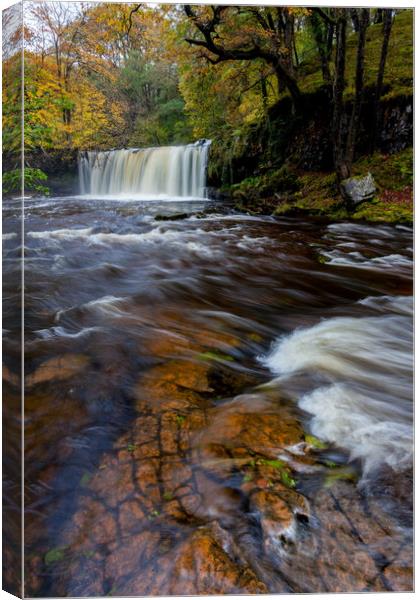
[216, 403]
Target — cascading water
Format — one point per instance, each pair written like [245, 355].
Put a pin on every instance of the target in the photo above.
[169, 171]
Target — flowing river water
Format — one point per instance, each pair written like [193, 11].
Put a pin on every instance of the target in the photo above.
[219, 403]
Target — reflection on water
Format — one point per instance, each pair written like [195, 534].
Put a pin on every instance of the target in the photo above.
[161, 456]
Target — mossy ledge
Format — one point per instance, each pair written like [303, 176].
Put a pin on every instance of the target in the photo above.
[283, 165]
[289, 191]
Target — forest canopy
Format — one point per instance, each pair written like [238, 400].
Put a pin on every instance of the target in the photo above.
[103, 75]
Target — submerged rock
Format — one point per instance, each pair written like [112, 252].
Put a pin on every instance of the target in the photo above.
[173, 217]
[60, 367]
[201, 496]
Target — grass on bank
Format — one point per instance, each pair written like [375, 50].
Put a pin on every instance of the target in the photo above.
[315, 193]
[290, 191]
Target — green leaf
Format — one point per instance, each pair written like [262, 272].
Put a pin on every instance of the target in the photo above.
[85, 478]
[287, 480]
[340, 474]
[210, 355]
[180, 419]
[54, 555]
[315, 442]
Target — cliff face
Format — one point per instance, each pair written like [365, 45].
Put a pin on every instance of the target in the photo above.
[304, 141]
[285, 165]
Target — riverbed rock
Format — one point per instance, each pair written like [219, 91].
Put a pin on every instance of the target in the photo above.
[10, 377]
[276, 518]
[58, 368]
[172, 217]
[358, 189]
[207, 564]
[199, 497]
[350, 549]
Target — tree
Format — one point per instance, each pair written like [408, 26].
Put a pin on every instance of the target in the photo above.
[386, 19]
[323, 32]
[245, 34]
[344, 136]
[362, 17]
[155, 103]
[60, 29]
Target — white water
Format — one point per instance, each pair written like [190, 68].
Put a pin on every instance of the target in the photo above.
[366, 404]
[168, 171]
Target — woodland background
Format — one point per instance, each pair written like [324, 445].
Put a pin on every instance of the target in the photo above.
[294, 99]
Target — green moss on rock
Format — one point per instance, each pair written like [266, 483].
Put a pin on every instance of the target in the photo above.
[286, 192]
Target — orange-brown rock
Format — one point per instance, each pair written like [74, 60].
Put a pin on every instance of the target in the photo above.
[129, 556]
[94, 523]
[203, 567]
[10, 377]
[276, 518]
[194, 499]
[399, 573]
[57, 368]
[259, 428]
[334, 557]
[114, 483]
[131, 515]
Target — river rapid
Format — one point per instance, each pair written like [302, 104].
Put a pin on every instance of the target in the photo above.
[217, 403]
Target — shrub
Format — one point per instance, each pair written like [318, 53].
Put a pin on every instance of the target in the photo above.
[12, 181]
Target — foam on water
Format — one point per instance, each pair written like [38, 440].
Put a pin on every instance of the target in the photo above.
[183, 239]
[60, 234]
[57, 332]
[140, 198]
[348, 228]
[357, 259]
[366, 406]
[111, 306]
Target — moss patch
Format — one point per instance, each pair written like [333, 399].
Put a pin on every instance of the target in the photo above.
[346, 473]
[398, 79]
[390, 171]
[393, 175]
[218, 356]
[316, 194]
[272, 183]
[315, 442]
[54, 555]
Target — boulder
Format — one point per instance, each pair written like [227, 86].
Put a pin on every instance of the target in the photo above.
[358, 189]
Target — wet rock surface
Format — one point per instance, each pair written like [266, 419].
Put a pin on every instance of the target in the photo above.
[159, 460]
[194, 499]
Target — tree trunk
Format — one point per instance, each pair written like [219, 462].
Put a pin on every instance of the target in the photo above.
[264, 93]
[355, 19]
[284, 79]
[387, 25]
[342, 168]
[330, 39]
[288, 41]
[321, 32]
[353, 130]
[379, 15]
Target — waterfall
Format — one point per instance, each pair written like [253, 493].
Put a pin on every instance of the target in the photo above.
[170, 171]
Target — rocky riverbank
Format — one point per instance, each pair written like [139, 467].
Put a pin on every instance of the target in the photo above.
[292, 192]
[194, 498]
[161, 457]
